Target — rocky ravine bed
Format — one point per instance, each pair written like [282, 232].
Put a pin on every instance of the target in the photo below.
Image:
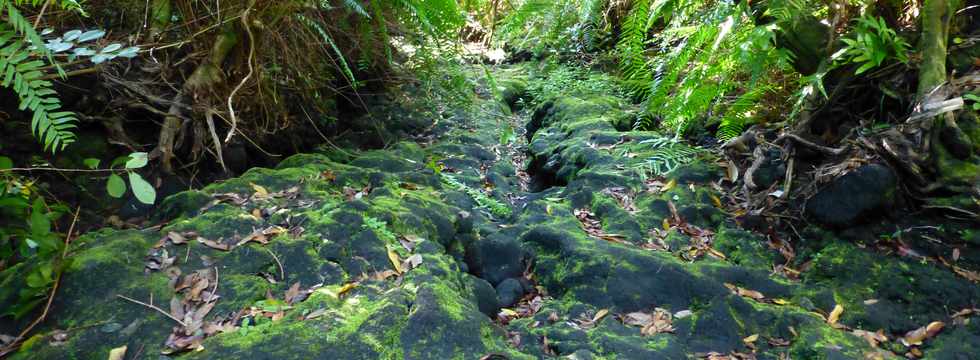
[379, 256]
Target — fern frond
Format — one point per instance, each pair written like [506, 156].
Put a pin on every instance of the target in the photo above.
[22, 73]
[668, 154]
[356, 7]
[342, 62]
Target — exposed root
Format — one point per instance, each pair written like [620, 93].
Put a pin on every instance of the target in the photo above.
[251, 69]
[823, 149]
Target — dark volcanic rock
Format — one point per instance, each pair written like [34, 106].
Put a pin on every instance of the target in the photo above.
[486, 296]
[495, 258]
[854, 197]
[509, 292]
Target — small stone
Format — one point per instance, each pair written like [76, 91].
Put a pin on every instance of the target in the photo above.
[509, 292]
[464, 222]
[486, 297]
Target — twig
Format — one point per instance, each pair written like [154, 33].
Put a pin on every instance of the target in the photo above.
[90, 70]
[812, 145]
[282, 272]
[787, 185]
[54, 289]
[758, 158]
[214, 290]
[251, 69]
[154, 308]
[40, 15]
[953, 209]
[209, 118]
[60, 170]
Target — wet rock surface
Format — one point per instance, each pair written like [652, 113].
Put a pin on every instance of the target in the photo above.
[380, 256]
[860, 196]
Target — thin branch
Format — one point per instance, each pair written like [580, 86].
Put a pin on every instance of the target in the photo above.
[154, 308]
[40, 15]
[209, 118]
[62, 170]
[282, 272]
[812, 145]
[90, 70]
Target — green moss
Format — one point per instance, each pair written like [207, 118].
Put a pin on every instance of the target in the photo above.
[221, 221]
[107, 246]
[956, 171]
[449, 300]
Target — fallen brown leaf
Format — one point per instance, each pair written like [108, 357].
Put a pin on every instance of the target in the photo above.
[740, 291]
[118, 353]
[599, 315]
[260, 191]
[873, 338]
[835, 314]
[214, 244]
[292, 294]
[395, 261]
[315, 314]
[920, 335]
[412, 262]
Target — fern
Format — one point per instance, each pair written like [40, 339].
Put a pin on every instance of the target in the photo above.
[695, 68]
[738, 115]
[631, 46]
[21, 71]
[483, 200]
[356, 7]
[668, 154]
[345, 68]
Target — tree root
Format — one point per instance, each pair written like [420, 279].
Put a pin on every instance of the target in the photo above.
[823, 149]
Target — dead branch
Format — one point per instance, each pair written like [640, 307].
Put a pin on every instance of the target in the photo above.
[759, 157]
[824, 149]
[154, 308]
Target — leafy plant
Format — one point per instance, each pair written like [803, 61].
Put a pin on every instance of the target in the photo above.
[871, 44]
[28, 243]
[496, 208]
[22, 69]
[706, 60]
[116, 187]
[669, 154]
[548, 26]
[975, 99]
[380, 228]
[74, 39]
[564, 80]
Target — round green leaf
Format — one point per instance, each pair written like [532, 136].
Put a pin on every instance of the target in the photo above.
[115, 186]
[92, 163]
[6, 163]
[40, 224]
[143, 190]
[137, 160]
[111, 48]
[72, 35]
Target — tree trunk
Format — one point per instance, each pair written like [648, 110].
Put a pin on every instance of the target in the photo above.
[949, 148]
[936, 15]
[202, 80]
